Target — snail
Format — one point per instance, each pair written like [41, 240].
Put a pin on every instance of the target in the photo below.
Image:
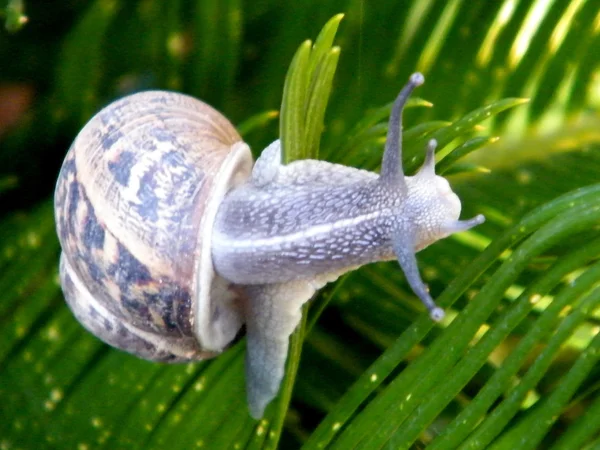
[172, 241]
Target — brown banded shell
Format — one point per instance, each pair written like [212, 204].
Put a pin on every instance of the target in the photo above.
[134, 206]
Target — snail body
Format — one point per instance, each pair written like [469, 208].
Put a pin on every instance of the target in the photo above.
[172, 240]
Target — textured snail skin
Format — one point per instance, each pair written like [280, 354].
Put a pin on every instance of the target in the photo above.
[295, 227]
[171, 241]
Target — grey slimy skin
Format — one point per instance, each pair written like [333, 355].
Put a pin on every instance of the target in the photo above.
[172, 241]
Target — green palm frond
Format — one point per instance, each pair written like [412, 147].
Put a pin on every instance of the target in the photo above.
[512, 95]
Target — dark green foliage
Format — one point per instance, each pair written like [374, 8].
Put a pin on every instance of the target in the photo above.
[514, 365]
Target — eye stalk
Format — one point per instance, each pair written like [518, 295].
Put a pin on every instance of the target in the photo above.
[391, 166]
[430, 208]
[428, 167]
[463, 225]
[427, 170]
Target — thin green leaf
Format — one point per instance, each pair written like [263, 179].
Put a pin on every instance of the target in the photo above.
[461, 127]
[510, 406]
[462, 150]
[464, 168]
[423, 129]
[317, 102]
[403, 395]
[256, 122]
[473, 118]
[306, 94]
[292, 105]
[441, 395]
[324, 43]
[582, 430]
[499, 383]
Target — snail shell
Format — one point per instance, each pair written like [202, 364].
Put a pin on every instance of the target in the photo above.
[135, 202]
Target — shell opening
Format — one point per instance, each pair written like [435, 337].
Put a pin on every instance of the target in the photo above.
[217, 317]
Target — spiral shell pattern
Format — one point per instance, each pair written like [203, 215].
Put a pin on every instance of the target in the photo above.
[129, 207]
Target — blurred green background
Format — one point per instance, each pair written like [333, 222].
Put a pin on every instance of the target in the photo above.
[515, 364]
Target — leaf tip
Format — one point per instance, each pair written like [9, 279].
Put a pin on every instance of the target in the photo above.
[306, 45]
[338, 17]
